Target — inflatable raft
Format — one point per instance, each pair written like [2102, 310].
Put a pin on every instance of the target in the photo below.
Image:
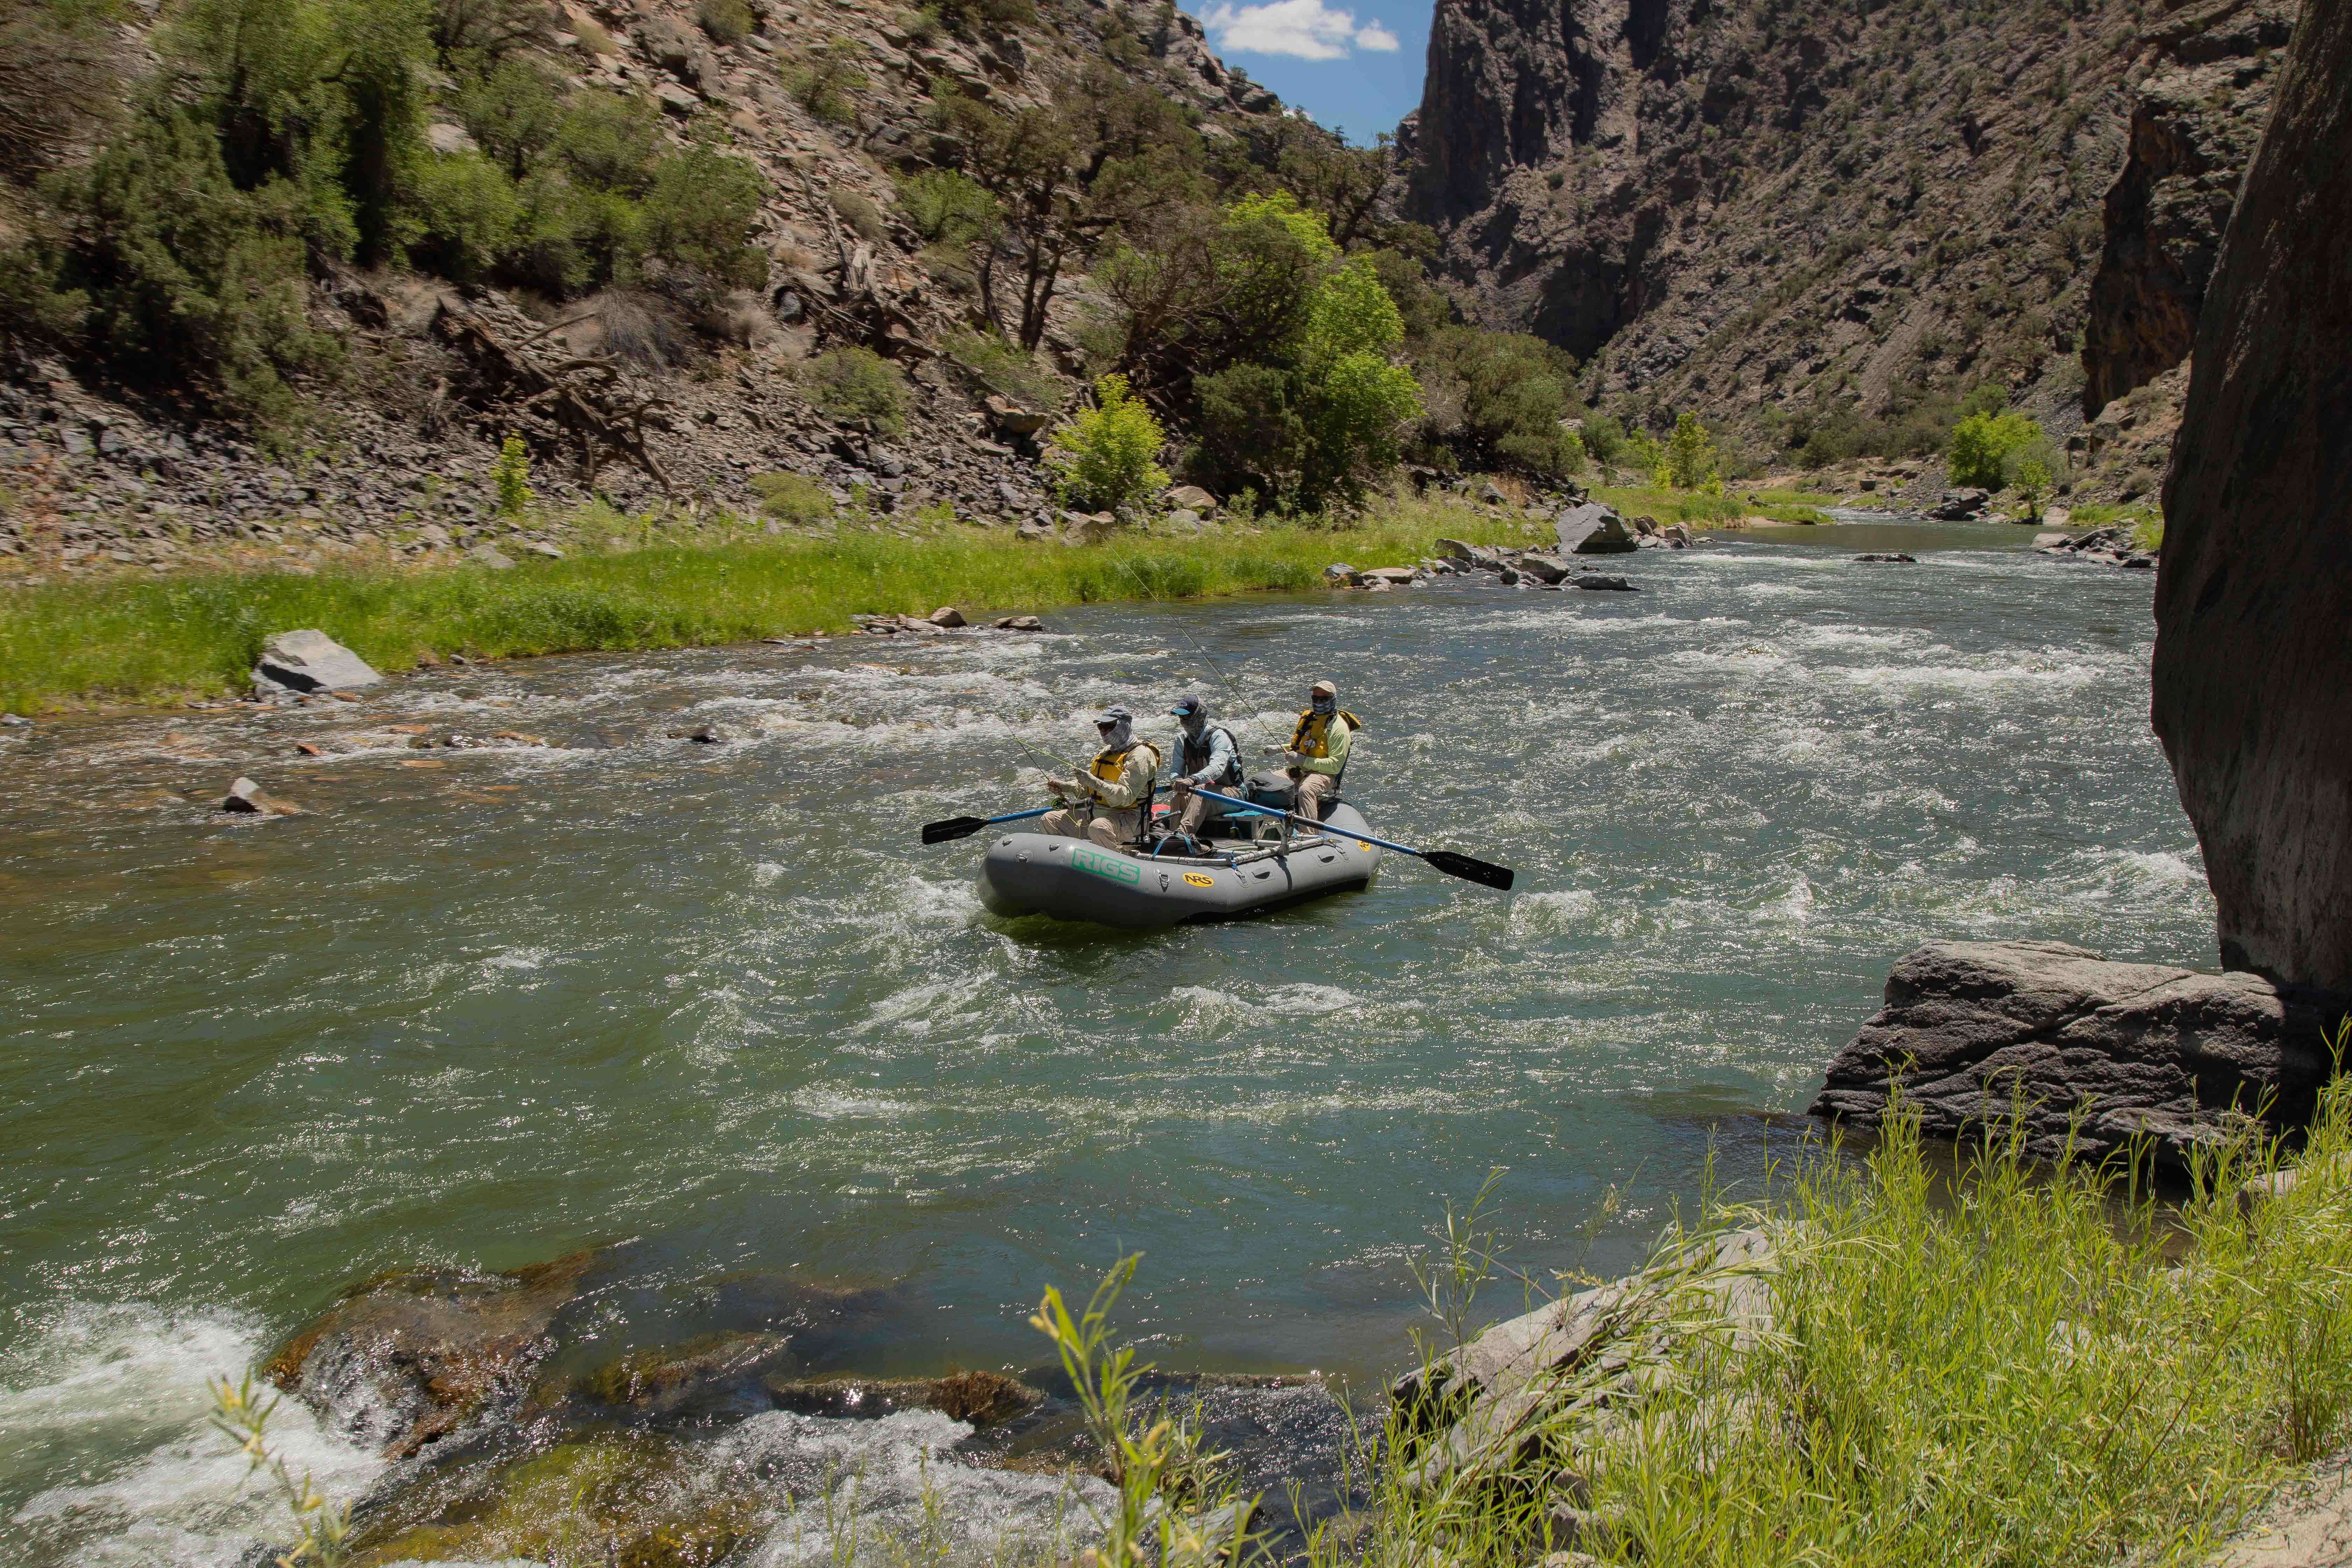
[1077, 879]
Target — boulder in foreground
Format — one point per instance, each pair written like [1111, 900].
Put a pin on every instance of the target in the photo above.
[2112, 1055]
[308, 660]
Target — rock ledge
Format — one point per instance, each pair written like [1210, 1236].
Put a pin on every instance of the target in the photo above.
[2109, 1054]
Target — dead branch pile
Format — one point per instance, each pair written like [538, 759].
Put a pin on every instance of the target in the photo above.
[581, 407]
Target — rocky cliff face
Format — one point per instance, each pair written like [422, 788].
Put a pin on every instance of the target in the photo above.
[2193, 128]
[2255, 590]
[1775, 210]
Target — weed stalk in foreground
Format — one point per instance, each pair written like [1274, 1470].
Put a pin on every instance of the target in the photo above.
[321, 1527]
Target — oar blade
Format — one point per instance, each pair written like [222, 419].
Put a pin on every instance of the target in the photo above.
[1469, 870]
[952, 829]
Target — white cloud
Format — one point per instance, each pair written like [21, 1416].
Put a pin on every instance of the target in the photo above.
[1304, 29]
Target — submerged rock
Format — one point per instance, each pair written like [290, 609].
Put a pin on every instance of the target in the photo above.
[1889, 557]
[308, 660]
[245, 797]
[979, 1399]
[407, 1359]
[2107, 1056]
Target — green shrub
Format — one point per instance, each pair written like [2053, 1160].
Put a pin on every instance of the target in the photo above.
[823, 82]
[609, 142]
[793, 498]
[189, 278]
[1981, 446]
[1498, 400]
[857, 385]
[702, 211]
[864, 218]
[469, 212]
[515, 112]
[1006, 369]
[728, 22]
[1108, 459]
[946, 207]
[510, 477]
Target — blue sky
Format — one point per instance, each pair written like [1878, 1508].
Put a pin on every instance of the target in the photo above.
[1355, 67]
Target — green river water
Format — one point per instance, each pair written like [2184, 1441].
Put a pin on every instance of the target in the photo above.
[485, 1006]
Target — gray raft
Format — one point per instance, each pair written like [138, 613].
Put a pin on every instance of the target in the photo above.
[1077, 879]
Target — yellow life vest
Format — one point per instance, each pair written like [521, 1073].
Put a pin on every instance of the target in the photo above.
[1312, 736]
[1111, 765]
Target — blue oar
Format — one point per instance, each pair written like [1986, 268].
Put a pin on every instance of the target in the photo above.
[1446, 861]
[965, 827]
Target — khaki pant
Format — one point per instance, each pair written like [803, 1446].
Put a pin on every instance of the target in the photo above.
[1108, 828]
[1314, 789]
[1191, 809]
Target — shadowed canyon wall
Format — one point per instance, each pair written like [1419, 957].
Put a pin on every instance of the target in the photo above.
[2252, 682]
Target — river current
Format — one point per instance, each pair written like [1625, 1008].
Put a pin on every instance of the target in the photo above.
[486, 1005]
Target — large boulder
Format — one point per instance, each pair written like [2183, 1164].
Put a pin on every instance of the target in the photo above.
[1965, 505]
[1544, 568]
[1593, 528]
[2107, 1055]
[2252, 659]
[309, 661]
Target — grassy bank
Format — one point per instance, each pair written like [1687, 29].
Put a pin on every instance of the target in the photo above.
[2021, 1368]
[147, 639]
[1700, 510]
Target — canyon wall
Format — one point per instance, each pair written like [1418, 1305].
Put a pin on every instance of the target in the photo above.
[2253, 678]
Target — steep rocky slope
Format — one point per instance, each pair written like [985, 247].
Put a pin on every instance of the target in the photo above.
[97, 474]
[2255, 588]
[1817, 220]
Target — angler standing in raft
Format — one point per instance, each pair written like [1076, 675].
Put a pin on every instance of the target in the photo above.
[1317, 756]
[1110, 800]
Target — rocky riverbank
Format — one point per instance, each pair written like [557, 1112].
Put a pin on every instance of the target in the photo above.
[520, 1413]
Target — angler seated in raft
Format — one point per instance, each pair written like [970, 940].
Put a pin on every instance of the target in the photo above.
[1207, 757]
[1316, 758]
[1106, 804]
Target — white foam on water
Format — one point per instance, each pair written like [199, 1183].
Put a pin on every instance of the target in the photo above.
[834, 1105]
[1794, 907]
[933, 1007]
[850, 1494]
[765, 873]
[1966, 679]
[1563, 909]
[113, 1399]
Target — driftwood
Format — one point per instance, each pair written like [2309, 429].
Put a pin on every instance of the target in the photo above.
[861, 312]
[580, 406]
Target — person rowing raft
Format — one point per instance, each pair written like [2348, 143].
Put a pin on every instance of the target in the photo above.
[1207, 758]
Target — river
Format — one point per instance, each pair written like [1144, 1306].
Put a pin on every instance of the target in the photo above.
[485, 1005]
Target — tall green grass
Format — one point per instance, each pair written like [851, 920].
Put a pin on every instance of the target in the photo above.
[152, 639]
[2021, 1368]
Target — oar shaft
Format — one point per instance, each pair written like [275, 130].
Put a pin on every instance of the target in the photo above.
[1258, 810]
